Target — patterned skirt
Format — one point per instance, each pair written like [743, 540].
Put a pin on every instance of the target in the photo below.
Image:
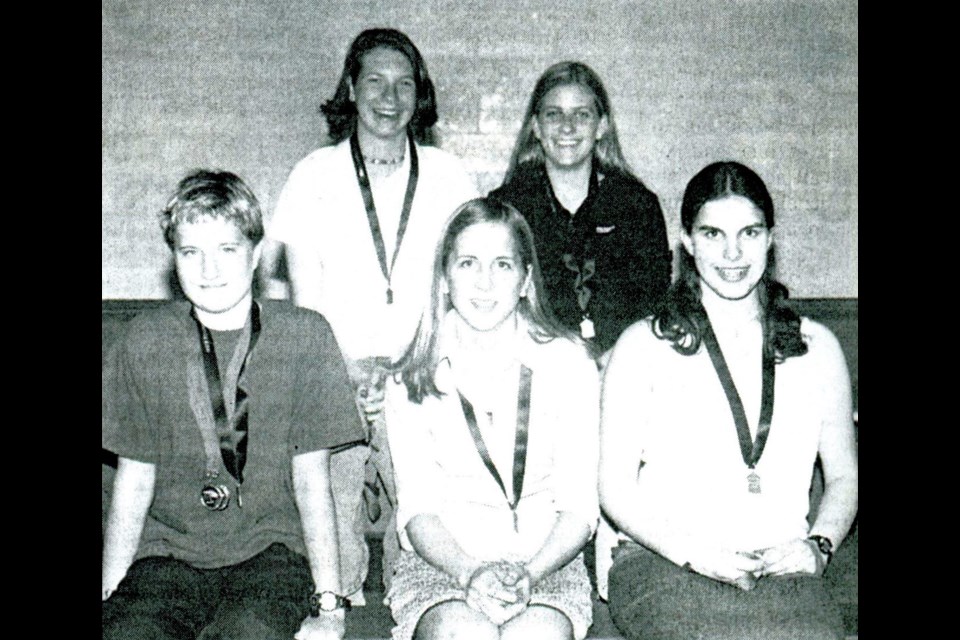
[417, 587]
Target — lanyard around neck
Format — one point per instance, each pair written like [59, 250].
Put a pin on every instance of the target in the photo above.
[520, 445]
[232, 428]
[574, 259]
[364, 182]
[749, 450]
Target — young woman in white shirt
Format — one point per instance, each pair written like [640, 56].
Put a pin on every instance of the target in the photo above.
[715, 411]
[357, 221]
[493, 427]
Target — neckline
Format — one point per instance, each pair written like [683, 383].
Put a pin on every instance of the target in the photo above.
[559, 207]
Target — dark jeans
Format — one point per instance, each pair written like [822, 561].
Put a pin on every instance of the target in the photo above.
[653, 599]
[264, 598]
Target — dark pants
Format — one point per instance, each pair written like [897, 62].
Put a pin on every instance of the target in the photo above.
[654, 599]
[264, 598]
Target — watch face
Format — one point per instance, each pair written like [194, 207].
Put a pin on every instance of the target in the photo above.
[328, 601]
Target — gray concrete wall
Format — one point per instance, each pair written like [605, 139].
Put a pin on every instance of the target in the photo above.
[235, 84]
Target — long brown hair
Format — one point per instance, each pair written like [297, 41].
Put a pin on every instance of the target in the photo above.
[418, 366]
[606, 152]
[680, 317]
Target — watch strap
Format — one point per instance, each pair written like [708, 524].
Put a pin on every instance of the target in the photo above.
[824, 547]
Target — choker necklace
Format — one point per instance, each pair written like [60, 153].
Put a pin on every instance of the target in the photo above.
[383, 161]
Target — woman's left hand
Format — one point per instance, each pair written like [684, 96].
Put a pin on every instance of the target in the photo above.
[796, 557]
[515, 576]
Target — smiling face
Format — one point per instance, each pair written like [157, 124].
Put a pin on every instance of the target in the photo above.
[385, 94]
[485, 277]
[215, 262]
[568, 125]
[729, 241]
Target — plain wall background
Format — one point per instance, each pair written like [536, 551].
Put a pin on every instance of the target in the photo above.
[236, 85]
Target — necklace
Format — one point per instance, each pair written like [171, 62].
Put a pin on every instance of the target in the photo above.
[383, 161]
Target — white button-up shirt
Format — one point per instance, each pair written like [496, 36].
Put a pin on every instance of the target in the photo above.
[439, 470]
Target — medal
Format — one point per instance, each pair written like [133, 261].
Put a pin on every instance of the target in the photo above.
[215, 497]
[750, 450]
[753, 482]
[586, 329]
[576, 259]
[224, 437]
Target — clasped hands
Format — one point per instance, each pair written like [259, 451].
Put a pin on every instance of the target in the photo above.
[499, 590]
[744, 568]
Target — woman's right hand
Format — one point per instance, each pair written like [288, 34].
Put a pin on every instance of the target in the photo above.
[739, 568]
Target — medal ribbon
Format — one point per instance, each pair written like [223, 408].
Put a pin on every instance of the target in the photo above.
[751, 451]
[520, 445]
[364, 182]
[231, 426]
[573, 259]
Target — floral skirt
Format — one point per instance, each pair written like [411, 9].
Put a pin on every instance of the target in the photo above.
[417, 587]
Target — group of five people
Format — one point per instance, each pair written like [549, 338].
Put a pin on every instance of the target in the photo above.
[474, 346]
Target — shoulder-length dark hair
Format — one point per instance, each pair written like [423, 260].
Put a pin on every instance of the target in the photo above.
[606, 152]
[680, 316]
[418, 366]
[341, 112]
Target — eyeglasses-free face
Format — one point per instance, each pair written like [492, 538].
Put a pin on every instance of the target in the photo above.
[568, 126]
[385, 93]
[215, 263]
[485, 276]
[729, 242]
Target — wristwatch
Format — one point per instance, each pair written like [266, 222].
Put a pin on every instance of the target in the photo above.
[824, 546]
[328, 602]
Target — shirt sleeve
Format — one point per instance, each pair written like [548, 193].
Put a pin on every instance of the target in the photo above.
[577, 432]
[325, 414]
[418, 477]
[125, 423]
[298, 198]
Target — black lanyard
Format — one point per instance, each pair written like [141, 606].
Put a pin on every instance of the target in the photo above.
[519, 448]
[576, 240]
[364, 181]
[751, 451]
[232, 429]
